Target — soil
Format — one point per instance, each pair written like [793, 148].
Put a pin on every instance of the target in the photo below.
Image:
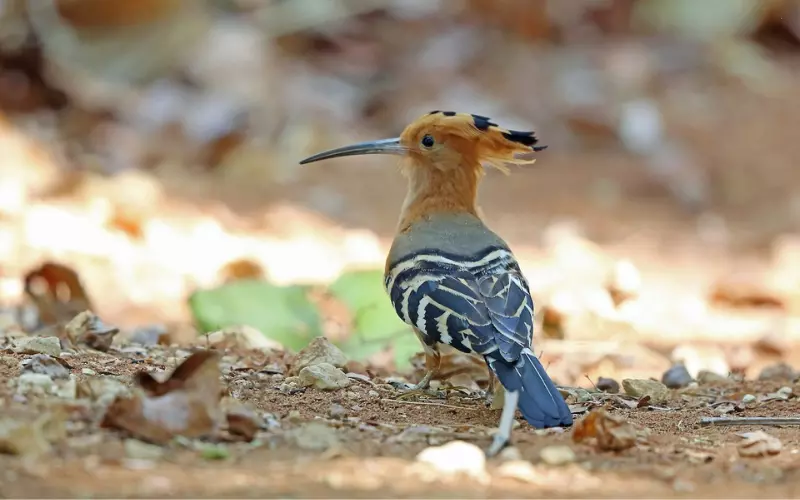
[679, 457]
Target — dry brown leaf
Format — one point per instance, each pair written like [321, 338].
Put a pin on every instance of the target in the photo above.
[759, 444]
[110, 15]
[57, 292]
[241, 269]
[88, 329]
[610, 432]
[186, 404]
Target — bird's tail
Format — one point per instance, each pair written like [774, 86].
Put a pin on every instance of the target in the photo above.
[539, 401]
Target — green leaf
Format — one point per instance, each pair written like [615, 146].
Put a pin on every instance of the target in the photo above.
[282, 313]
[376, 324]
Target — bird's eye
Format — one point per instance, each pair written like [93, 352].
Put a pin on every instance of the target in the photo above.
[427, 141]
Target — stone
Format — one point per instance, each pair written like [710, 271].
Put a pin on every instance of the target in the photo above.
[705, 377]
[46, 365]
[314, 436]
[748, 398]
[241, 336]
[519, 470]
[319, 350]
[323, 376]
[455, 457]
[677, 377]
[778, 371]
[557, 455]
[640, 388]
[35, 384]
[607, 385]
[50, 346]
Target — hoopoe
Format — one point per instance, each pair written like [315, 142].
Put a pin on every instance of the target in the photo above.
[451, 278]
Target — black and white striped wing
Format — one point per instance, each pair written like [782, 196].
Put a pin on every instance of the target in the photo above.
[485, 315]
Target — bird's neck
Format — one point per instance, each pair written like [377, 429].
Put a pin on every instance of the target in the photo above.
[432, 191]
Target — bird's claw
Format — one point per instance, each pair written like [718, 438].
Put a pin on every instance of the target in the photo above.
[498, 444]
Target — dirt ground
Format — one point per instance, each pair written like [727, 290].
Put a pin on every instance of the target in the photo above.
[377, 436]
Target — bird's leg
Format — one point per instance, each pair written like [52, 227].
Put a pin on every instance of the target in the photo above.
[490, 388]
[503, 435]
[433, 360]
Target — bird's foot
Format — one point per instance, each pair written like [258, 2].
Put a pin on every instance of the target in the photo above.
[410, 390]
[498, 444]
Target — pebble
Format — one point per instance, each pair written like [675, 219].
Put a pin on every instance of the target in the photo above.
[705, 377]
[455, 457]
[373, 394]
[640, 388]
[676, 377]
[557, 455]
[323, 376]
[35, 383]
[509, 453]
[88, 371]
[320, 350]
[607, 385]
[38, 345]
[748, 398]
[337, 411]
[314, 436]
[46, 365]
[778, 371]
[519, 470]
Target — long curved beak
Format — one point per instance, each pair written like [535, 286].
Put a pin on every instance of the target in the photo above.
[380, 147]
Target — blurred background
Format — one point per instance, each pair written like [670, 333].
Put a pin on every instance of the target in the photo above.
[150, 149]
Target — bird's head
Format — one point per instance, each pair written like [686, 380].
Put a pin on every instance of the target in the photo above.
[447, 140]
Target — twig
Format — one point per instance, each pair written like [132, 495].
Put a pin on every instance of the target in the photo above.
[750, 421]
[591, 382]
[428, 403]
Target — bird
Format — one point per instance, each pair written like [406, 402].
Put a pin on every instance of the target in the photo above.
[453, 280]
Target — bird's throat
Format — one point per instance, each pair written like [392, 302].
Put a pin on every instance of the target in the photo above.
[432, 191]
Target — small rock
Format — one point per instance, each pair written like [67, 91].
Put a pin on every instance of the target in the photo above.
[66, 389]
[50, 346]
[88, 371]
[320, 350]
[46, 365]
[32, 437]
[607, 385]
[337, 411]
[676, 377]
[350, 395]
[778, 371]
[314, 436]
[455, 457]
[640, 388]
[759, 444]
[510, 453]
[705, 377]
[102, 389]
[35, 383]
[323, 376]
[557, 455]
[373, 394]
[150, 335]
[519, 470]
[241, 336]
[786, 391]
[140, 450]
[748, 398]
[290, 385]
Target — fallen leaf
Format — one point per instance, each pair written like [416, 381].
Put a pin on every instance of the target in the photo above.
[57, 292]
[186, 404]
[87, 329]
[610, 432]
